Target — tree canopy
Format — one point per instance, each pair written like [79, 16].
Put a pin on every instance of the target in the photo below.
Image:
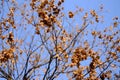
[39, 40]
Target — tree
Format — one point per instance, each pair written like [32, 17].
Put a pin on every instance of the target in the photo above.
[39, 41]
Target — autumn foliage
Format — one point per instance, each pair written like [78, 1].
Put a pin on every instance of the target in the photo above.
[40, 41]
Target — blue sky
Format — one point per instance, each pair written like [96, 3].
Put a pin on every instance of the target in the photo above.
[111, 7]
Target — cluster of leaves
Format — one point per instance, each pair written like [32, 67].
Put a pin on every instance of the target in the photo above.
[5, 55]
[40, 41]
